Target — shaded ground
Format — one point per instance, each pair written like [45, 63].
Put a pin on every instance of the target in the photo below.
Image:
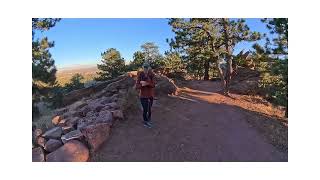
[201, 125]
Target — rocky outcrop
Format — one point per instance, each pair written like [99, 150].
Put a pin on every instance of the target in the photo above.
[79, 94]
[164, 85]
[85, 123]
[246, 81]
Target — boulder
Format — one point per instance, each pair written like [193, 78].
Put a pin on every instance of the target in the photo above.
[76, 134]
[56, 120]
[117, 115]
[52, 145]
[54, 133]
[37, 155]
[72, 151]
[96, 134]
[122, 83]
[164, 85]
[85, 121]
[246, 81]
[105, 116]
[41, 141]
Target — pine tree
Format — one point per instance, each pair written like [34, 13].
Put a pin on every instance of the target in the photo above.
[278, 52]
[43, 68]
[194, 39]
[210, 40]
[138, 60]
[152, 55]
[112, 65]
[75, 83]
[174, 65]
[278, 26]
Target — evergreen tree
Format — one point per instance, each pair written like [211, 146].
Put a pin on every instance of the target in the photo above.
[211, 40]
[277, 78]
[112, 65]
[174, 66]
[138, 60]
[195, 39]
[278, 26]
[152, 55]
[76, 82]
[43, 68]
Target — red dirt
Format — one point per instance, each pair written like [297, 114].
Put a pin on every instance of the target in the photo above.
[200, 125]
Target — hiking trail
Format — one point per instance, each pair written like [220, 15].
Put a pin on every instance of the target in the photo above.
[199, 124]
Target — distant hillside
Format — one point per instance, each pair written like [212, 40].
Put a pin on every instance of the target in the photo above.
[88, 71]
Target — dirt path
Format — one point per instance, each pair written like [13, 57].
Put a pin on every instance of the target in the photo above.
[197, 125]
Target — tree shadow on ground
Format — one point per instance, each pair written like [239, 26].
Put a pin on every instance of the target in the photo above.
[274, 129]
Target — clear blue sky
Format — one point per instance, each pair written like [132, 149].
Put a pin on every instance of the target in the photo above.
[81, 41]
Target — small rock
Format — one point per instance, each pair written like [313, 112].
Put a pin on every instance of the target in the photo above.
[37, 132]
[76, 134]
[72, 151]
[41, 141]
[96, 134]
[37, 155]
[53, 133]
[56, 120]
[52, 145]
[117, 115]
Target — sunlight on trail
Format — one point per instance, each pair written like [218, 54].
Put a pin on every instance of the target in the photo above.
[252, 103]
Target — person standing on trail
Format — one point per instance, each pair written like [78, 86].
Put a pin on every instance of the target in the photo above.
[146, 84]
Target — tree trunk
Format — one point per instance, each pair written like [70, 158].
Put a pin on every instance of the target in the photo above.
[206, 70]
[229, 70]
[221, 75]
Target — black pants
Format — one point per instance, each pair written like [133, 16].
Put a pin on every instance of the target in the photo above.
[146, 105]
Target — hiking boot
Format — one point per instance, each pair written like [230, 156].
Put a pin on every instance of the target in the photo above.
[147, 124]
